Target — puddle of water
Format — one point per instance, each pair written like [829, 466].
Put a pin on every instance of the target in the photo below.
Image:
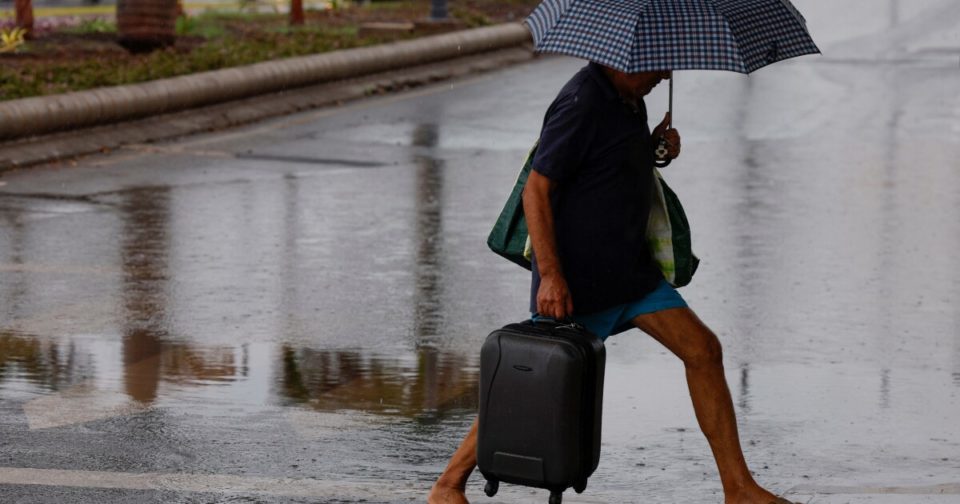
[425, 385]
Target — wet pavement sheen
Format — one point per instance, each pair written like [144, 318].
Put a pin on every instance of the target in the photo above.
[292, 312]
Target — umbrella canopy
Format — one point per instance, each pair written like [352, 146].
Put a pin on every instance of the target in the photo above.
[654, 35]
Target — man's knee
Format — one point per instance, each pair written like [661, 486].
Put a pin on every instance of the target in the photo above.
[708, 352]
[685, 335]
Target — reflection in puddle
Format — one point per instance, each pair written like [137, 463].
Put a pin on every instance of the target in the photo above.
[33, 360]
[146, 355]
[743, 402]
[60, 364]
[144, 252]
[425, 386]
[188, 365]
[141, 365]
[429, 232]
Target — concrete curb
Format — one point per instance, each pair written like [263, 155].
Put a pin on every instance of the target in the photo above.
[137, 134]
[47, 114]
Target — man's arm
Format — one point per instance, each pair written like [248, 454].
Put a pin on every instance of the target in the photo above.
[553, 297]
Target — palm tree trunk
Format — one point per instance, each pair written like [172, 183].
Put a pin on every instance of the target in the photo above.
[296, 13]
[24, 9]
[146, 25]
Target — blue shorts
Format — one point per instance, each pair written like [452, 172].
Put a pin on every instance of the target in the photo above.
[617, 319]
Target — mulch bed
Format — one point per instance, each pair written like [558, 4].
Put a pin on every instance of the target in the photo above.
[83, 54]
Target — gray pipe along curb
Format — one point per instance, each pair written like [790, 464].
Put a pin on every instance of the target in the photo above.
[46, 114]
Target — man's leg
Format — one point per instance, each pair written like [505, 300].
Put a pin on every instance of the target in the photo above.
[450, 487]
[688, 338]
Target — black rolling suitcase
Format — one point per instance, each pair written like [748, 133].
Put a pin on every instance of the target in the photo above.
[541, 397]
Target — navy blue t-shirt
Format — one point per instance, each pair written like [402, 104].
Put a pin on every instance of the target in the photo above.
[599, 151]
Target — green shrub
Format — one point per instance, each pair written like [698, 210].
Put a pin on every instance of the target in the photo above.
[12, 40]
[472, 18]
[95, 25]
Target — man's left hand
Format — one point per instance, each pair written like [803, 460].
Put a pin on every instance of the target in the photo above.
[670, 135]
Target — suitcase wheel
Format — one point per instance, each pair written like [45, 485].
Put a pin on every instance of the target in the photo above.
[491, 488]
[556, 497]
[580, 486]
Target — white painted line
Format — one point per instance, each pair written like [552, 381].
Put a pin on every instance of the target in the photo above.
[945, 489]
[413, 491]
[207, 483]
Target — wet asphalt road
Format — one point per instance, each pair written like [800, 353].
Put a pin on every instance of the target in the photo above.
[292, 312]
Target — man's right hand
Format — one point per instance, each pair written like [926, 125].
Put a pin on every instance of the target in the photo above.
[553, 297]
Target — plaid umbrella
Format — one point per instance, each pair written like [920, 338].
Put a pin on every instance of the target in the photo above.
[652, 35]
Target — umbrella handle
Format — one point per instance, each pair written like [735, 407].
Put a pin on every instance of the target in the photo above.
[661, 160]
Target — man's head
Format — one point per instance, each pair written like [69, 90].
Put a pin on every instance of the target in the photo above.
[634, 86]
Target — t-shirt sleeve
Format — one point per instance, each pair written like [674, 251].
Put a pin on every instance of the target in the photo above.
[565, 138]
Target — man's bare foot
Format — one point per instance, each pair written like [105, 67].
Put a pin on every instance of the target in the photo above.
[446, 495]
[752, 495]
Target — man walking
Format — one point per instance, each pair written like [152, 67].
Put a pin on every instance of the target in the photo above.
[586, 202]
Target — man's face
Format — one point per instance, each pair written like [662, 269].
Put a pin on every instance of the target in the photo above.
[636, 85]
